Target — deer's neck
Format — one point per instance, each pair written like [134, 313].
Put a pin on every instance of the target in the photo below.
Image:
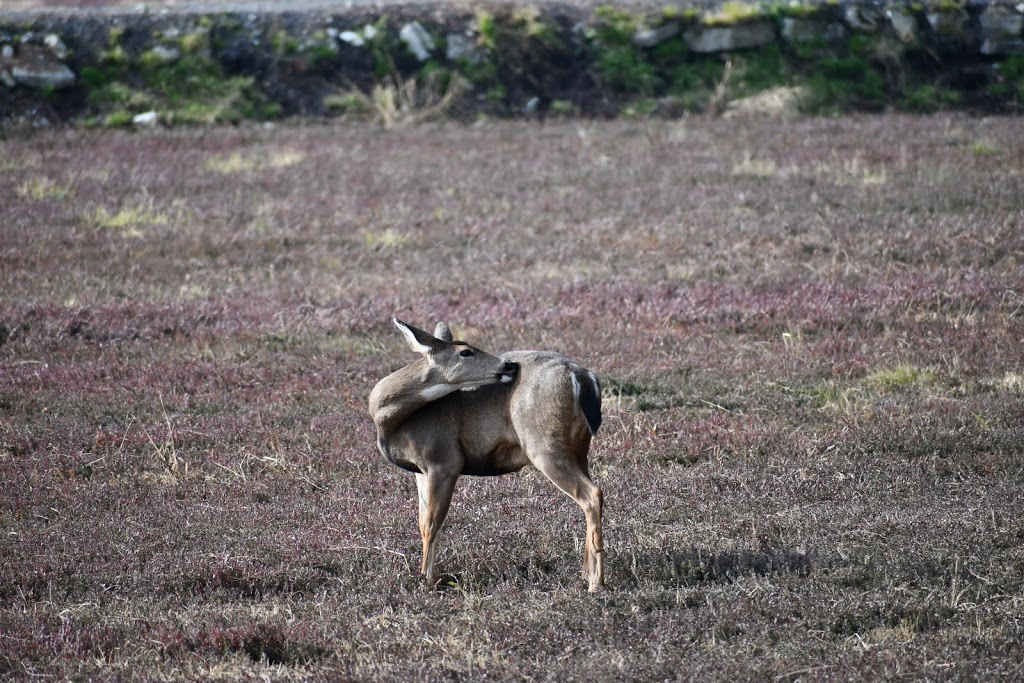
[402, 393]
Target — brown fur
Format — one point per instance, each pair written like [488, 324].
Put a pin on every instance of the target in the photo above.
[427, 426]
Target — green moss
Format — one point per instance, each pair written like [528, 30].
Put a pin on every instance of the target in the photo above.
[115, 56]
[351, 104]
[759, 70]
[624, 69]
[497, 93]
[284, 44]
[436, 75]
[850, 75]
[323, 52]
[843, 82]
[530, 23]
[641, 108]
[733, 12]
[929, 98]
[486, 29]
[697, 78]
[799, 10]
[119, 119]
[193, 43]
[1011, 83]
[669, 53]
[190, 89]
[809, 50]
[563, 108]
[615, 27]
[480, 74]
[687, 15]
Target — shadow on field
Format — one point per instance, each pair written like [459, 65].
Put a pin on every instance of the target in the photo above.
[692, 566]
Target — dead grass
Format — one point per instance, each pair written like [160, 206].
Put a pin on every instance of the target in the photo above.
[808, 334]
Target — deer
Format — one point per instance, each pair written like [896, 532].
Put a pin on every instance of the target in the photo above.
[458, 410]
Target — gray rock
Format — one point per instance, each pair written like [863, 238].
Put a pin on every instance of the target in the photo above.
[358, 38]
[798, 30]
[462, 48]
[147, 119]
[56, 46]
[949, 24]
[864, 17]
[418, 40]
[352, 38]
[1002, 47]
[165, 53]
[34, 67]
[995, 24]
[646, 36]
[706, 39]
[7, 52]
[904, 25]
[6, 78]
[1001, 32]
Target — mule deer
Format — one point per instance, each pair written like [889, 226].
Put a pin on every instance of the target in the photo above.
[526, 407]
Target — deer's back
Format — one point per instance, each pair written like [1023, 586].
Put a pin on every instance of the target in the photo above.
[553, 404]
[553, 392]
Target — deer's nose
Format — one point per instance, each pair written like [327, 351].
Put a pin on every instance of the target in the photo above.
[508, 372]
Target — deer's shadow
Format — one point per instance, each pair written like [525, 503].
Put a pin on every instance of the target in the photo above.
[691, 566]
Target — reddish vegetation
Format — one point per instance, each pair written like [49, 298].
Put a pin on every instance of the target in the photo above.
[810, 336]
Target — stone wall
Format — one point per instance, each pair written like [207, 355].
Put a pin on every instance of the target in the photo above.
[138, 68]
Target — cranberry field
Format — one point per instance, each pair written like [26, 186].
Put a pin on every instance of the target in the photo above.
[810, 336]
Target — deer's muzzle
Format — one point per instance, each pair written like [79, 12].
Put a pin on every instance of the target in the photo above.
[509, 371]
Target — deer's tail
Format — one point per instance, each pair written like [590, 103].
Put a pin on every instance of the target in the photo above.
[588, 397]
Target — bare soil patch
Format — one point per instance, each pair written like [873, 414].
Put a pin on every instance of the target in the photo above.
[810, 338]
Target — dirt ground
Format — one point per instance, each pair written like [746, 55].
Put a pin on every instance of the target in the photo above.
[810, 340]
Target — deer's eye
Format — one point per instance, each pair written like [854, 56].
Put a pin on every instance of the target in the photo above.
[466, 353]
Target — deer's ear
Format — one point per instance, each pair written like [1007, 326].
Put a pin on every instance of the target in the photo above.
[418, 340]
[442, 332]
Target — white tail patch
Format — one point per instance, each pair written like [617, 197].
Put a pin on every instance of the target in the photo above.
[575, 392]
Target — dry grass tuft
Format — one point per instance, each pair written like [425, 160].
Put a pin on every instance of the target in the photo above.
[402, 101]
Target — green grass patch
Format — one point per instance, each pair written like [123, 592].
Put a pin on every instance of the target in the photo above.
[985, 148]
[899, 377]
[43, 188]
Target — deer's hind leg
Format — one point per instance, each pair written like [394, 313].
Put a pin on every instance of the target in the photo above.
[434, 491]
[567, 469]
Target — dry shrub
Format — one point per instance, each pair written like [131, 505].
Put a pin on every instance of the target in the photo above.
[400, 101]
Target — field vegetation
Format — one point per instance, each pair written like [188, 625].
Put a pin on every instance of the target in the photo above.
[809, 334]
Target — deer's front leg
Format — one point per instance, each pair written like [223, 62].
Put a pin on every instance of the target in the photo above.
[435, 491]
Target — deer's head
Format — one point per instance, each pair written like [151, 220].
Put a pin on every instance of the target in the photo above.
[451, 365]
